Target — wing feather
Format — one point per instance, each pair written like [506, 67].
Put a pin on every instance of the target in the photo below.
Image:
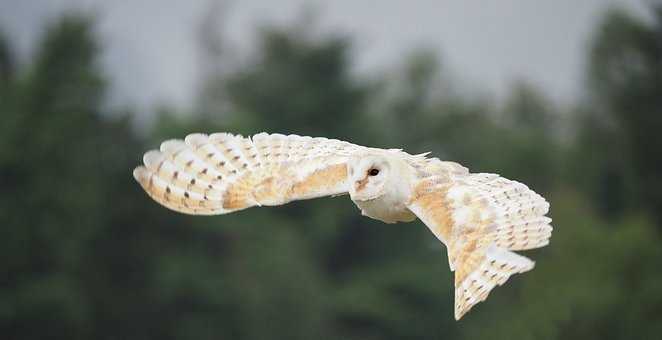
[480, 218]
[221, 173]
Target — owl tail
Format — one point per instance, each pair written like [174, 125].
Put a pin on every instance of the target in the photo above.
[491, 216]
[496, 267]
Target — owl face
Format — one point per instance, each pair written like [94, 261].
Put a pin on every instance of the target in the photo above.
[367, 177]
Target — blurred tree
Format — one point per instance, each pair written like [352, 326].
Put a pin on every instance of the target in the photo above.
[216, 62]
[52, 119]
[299, 84]
[532, 128]
[625, 73]
[527, 109]
[6, 63]
[406, 103]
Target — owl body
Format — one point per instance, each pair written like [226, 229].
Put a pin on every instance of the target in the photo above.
[480, 218]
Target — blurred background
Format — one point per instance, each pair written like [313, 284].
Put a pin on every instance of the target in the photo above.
[564, 96]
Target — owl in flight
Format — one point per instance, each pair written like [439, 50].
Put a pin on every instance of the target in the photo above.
[481, 218]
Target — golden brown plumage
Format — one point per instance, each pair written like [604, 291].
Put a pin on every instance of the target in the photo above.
[481, 218]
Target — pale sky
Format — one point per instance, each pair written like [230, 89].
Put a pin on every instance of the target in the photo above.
[152, 56]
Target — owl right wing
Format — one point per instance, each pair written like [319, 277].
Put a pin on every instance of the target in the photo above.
[480, 218]
[221, 173]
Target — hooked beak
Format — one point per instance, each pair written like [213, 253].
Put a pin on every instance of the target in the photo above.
[359, 185]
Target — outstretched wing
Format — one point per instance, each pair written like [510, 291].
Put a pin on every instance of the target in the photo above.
[222, 173]
[481, 218]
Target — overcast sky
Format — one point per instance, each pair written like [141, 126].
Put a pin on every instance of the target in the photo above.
[151, 53]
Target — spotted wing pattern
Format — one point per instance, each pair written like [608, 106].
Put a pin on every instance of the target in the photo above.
[221, 173]
[480, 218]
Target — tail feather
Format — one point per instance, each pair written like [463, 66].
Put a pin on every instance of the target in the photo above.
[498, 265]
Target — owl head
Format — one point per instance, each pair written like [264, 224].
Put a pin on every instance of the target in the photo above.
[368, 176]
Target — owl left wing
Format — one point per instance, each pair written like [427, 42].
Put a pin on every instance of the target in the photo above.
[481, 218]
[221, 173]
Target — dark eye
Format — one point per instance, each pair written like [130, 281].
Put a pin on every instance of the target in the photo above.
[373, 172]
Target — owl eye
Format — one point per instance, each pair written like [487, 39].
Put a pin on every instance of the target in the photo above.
[373, 172]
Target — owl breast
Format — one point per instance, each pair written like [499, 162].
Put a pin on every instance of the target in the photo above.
[386, 209]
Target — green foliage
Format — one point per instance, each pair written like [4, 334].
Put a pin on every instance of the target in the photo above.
[55, 193]
[298, 84]
[85, 254]
[6, 63]
[625, 77]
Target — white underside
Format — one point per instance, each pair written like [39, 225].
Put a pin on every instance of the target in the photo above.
[385, 210]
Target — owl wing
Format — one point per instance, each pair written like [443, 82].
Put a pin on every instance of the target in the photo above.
[480, 218]
[222, 173]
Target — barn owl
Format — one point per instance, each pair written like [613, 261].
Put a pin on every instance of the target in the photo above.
[480, 218]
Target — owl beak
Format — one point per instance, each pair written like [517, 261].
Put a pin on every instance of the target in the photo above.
[359, 185]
